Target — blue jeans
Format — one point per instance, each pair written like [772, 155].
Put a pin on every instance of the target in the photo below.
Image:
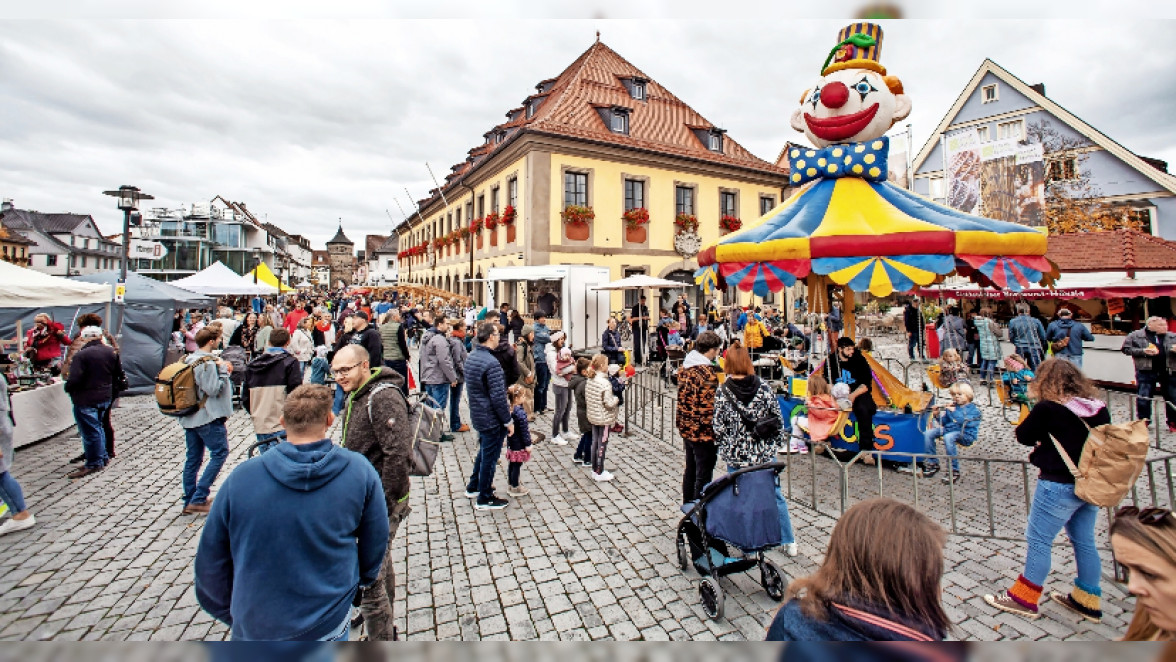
[274, 438]
[400, 366]
[11, 494]
[489, 448]
[89, 420]
[454, 405]
[542, 381]
[318, 370]
[439, 393]
[1076, 359]
[340, 400]
[215, 437]
[344, 631]
[584, 450]
[949, 446]
[973, 353]
[987, 369]
[787, 537]
[916, 341]
[1055, 507]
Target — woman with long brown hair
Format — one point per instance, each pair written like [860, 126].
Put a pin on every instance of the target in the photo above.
[1066, 407]
[880, 581]
[1145, 543]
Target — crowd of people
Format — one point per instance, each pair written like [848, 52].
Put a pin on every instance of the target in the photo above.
[327, 513]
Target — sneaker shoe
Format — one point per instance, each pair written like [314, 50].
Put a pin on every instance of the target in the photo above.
[1092, 615]
[910, 469]
[792, 549]
[602, 477]
[1004, 602]
[473, 494]
[198, 508]
[82, 473]
[517, 491]
[446, 437]
[558, 440]
[585, 463]
[930, 470]
[493, 503]
[464, 428]
[868, 460]
[12, 524]
[953, 478]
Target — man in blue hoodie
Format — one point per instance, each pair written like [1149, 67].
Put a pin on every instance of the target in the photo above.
[1066, 336]
[278, 558]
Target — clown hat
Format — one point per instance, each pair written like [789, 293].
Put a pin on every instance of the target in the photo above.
[859, 46]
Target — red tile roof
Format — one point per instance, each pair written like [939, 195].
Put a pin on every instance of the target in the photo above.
[373, 242]
[1118, 250]
[661, 123]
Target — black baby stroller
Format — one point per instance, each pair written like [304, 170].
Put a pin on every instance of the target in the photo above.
[739, 509]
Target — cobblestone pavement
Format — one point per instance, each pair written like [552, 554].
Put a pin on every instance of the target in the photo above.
[111, 556]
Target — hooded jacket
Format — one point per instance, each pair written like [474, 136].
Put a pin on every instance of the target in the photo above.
[526, 358]
[92, 375]
[738, 446]
[436, 361]
[1064, 423]
[578, 383]
[376, 425]
[486, 390]
[268, 378]
[504, 353]
[1136, 342]
[278, 557]
[697, 382]
[844, 622]
[1068, 328]
[458, 354]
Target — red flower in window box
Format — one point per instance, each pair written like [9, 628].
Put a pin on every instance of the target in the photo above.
[491, 220]
[476, 225]
[686, 223]
[577, 215]
[508, 215]
[636, 217]
[730, 223]
[462, 232]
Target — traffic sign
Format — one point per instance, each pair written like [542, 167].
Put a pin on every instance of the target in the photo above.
[146, 250]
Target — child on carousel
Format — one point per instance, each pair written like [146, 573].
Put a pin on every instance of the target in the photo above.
[951, 368]
[958, 424]
[820, 415]
[1017, 377]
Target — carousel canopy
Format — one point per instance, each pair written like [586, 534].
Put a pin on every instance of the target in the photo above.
[872, 236]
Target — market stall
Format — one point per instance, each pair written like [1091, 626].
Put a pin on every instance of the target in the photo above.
[1110, 304]
[218, 280]
[581, 311]
[40, 406]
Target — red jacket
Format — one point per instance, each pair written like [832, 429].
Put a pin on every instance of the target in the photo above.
[48, 344]
[293, 318]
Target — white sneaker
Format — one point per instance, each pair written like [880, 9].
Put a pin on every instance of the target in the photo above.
[558, 440]
[602, 477]
[12, 525]
[472, 495]
[792, 549]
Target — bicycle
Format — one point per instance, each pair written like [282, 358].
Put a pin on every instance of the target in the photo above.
[623, 326]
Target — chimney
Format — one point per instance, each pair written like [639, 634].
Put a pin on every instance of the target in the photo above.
[1038, 88]
[6, 205]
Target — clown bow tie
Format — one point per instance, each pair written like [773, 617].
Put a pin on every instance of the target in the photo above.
[865, 160]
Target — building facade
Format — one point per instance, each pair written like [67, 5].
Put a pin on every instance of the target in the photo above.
[1001, 107]
[60, 244]
[602, 139]
[383, 263]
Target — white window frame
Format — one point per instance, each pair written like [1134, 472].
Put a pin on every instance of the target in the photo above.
[1075, 174]
[995, 93]
[623, 119]
[983, 132]
[1019, 123]
[639, 91]
[715, 142]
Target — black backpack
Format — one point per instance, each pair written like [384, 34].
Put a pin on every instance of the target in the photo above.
[765, 428]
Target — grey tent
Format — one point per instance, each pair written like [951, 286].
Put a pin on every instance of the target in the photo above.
[150, 309]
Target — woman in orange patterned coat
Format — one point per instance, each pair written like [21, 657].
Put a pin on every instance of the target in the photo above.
[697, 382]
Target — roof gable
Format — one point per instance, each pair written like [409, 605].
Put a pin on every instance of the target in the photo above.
[990, 70]
[1119, 250]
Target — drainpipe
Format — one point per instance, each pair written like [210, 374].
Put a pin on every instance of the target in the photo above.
[472, 243]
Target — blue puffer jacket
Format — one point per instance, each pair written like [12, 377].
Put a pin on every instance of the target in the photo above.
[486, 388]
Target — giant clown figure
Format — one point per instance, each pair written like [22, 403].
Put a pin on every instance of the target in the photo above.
[845, 224]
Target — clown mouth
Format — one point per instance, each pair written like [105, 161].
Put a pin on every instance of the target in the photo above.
[840, 127]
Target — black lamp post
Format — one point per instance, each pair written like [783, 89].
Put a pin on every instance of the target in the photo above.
[256, 263]
[128, 202]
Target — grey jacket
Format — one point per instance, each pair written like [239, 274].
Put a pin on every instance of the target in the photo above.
[955, 334]
[1136, 342]
[214, 383]
[458, 353]
[436, 360]
[6, 442]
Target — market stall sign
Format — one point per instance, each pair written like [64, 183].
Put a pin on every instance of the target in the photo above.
[1115, 306]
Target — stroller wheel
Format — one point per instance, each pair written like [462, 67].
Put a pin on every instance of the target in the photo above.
[712, 597]
[771, 580]
[683, 551]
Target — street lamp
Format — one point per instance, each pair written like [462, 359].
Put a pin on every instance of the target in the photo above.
[256, 263]
[128, 202]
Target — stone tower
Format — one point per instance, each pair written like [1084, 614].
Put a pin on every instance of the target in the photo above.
[341, 255]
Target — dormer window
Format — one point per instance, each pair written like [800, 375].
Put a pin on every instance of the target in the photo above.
[714, 141]
[620, 120]
[639, 89]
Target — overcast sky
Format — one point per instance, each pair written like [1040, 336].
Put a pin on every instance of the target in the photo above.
[309, 121]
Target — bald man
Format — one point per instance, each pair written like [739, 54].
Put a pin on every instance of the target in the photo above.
[376, 425]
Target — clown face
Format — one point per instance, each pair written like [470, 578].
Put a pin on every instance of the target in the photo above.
[851, 105]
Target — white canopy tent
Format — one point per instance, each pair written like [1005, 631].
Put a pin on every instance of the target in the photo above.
[25, 288]
[219, 280]
[641, 282]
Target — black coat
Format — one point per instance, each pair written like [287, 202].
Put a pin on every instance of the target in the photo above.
[1050, 418]
[92, 375]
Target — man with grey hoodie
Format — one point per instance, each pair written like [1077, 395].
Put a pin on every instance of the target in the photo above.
[438, 375]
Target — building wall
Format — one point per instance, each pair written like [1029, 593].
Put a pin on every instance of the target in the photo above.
[341, 268]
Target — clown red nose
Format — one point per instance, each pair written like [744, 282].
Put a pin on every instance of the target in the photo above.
[834, 95]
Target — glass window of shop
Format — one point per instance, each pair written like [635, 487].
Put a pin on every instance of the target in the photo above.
[181, 229]
[181, 256]
[229, 235]
[240, 262]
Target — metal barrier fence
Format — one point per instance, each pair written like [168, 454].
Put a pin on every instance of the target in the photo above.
[992, 501]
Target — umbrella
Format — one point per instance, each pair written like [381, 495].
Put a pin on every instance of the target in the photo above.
[640, 282]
